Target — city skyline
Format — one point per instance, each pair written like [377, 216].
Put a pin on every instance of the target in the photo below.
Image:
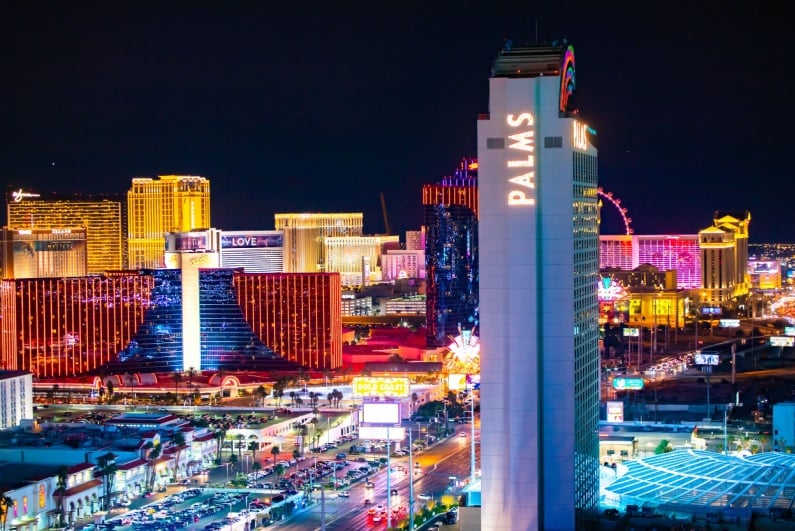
[288, 112]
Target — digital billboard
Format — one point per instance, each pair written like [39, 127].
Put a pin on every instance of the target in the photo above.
[381, 413]
[627, 383]
[631, 332]
[789, 330]
[706, 358]
[729, 323]
[615, 411]
[249, 241]
[782, 341]
[365, 386]
[381, 433]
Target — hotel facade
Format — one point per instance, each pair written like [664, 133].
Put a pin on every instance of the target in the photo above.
[539, 268]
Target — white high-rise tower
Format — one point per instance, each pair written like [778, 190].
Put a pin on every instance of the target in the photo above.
[539, 269]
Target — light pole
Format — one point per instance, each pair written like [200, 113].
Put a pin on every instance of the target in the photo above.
[472, 437]
[411, 482]
[388, 482]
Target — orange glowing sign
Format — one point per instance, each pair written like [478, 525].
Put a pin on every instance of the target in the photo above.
[364, 386]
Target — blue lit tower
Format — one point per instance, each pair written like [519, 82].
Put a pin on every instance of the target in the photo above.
[451, 254]
[539, 265]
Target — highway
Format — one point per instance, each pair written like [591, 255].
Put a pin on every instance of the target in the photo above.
[437, 464]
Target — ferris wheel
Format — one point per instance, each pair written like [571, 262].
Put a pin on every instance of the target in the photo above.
[616, 202]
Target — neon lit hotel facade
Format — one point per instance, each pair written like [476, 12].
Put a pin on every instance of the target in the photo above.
[539, 266]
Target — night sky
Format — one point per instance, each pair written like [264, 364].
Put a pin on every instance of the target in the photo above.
[319, 106]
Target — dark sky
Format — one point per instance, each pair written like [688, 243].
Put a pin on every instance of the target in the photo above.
[320, 106]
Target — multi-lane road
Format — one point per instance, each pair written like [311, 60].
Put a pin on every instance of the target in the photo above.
[447, 461]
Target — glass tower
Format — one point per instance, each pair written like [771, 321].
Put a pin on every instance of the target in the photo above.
[539, 268]
[451, 254]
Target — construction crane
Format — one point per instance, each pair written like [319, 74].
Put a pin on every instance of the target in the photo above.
[387, 228]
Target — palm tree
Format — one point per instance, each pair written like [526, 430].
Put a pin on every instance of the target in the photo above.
[178, 378]
[292, 398]
[107, 469]
[275, 452]
[240, 438]
[191, 374]
[253, 447]
[178, 440]
[62, 479]
[278, 470]
[330, 398]
[256, 467]
[5, 504]
[153, 454]
[261, 393]
[303, 431]
[233, 460]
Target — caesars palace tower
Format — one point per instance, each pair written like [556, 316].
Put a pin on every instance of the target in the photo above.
[538, 299]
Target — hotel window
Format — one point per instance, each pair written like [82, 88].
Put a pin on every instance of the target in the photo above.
[495, 143]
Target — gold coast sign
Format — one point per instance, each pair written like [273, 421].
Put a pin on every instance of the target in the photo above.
[522, 185]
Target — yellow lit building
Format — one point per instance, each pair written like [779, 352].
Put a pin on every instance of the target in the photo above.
[102, 216]
[724, 258]
[169, 203]
[304, 235]
[356, 258]
[44, 253]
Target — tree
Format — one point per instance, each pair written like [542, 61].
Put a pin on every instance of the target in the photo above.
[233, 459]
[110, 388]
[191, 373]
[278, 470]
[330, 398]
[256, 467]
[275, 451]
[296, 453]
[5, 504]
[107, 470]
[178, 440]
[414, 399]
[253, 447]
[152, 455]
[261, 393]
[292, 398]
[62, 479]
[303, 431]
[663, 447]
[338, 396]
[239, 438]
[178, 378]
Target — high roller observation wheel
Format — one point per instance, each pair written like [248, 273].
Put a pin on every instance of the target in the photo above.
[616, 202]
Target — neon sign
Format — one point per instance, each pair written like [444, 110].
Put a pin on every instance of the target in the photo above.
[579, 135]
[610, 289]
[363, 386]
[525, 142]
[19, 195]
[567, 81]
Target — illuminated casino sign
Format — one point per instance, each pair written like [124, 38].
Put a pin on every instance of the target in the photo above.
[365, 386]
[523, 189]
[579, 135]
[567, 80]
[250, 241]
[18, 195]
[610, 289]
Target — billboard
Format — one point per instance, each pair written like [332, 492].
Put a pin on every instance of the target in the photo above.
[365, 386]
[631, 332]
[627, 383]
[729, 323]
[381, 413]
[711, 310]
[615, 411]
[706, 358]
[456, 382]
[789, 330]
[782, 341]
[381, 433]
[250, 241]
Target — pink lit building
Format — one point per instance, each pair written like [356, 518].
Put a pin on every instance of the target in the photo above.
[667, 252]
